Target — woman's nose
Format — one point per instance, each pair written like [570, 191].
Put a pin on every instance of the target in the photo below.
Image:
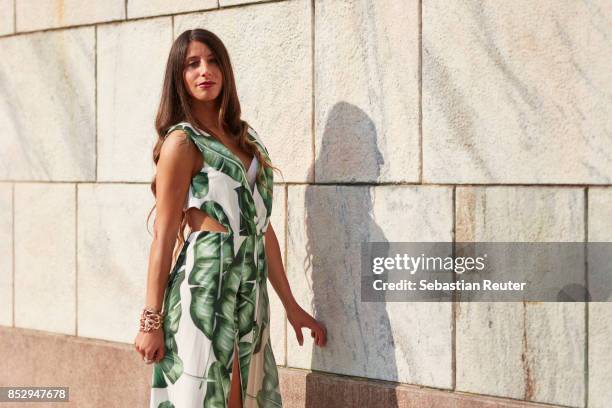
[204, 69]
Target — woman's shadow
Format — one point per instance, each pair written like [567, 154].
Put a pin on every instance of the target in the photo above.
[338, 218]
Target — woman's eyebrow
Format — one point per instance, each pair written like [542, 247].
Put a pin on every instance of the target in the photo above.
[197, 56]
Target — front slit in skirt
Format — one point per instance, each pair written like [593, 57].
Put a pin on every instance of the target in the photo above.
[216, 298]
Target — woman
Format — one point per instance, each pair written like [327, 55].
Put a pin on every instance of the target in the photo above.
[209, 340]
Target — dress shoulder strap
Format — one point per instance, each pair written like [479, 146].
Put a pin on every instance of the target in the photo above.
[257, 138]
[196, 137]
[182, 126]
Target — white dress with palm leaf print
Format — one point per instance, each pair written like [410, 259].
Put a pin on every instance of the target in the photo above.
[216, 295]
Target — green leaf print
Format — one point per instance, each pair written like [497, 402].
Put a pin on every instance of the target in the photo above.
[217, 387]
[171, 364]
[246, 308]
[268, 396]
[263, 312]
[216, 154]
[158, 377]
[266, 190]
[244, 351]
[215, 210]
[213, 307]
[199, 185]
[263, 318]
[257, 332]
[224, 332]
[247, 293]
[219, 157]
[228, 285]
[262, 262]
[248, 213]
[205, 277]
[225, 307]
[222, 163]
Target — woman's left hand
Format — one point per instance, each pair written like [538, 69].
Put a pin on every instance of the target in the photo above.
[299, 318]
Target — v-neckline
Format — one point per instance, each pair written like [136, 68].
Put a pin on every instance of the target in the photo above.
[229, 150]
[252, 163]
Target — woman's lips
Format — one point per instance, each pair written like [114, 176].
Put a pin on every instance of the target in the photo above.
[206, 85]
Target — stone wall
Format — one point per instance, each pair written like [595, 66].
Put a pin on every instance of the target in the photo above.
[391, 120]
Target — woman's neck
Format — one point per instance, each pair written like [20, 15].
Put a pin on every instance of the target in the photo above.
[207, 114]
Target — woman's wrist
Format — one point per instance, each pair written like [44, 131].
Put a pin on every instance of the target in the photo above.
[291, 304]
[150, 319]
[155, 309]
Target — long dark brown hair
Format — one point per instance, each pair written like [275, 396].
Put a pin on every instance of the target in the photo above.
[175, 105]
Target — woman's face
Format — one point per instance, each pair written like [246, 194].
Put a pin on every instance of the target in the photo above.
[201, 65]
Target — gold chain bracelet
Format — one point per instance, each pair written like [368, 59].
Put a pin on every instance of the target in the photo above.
[150, 319]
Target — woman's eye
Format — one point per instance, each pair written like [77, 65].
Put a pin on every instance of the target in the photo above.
[214, 60]
[194, 63]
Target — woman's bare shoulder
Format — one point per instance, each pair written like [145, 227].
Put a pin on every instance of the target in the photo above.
[179, 135]
[178, 148]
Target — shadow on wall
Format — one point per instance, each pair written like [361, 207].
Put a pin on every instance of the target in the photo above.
[337, 220]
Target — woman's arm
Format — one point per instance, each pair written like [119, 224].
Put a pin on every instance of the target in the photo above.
[173, 175]
[276, 271]
[296, 316]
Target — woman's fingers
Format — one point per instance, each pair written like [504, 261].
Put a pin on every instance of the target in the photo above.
[149, 349]
[149, 357]
[317, 331]
[314, 332]
[160, 355]
[321, 335]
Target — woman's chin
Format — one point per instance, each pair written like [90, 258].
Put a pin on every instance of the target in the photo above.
[205, 98]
